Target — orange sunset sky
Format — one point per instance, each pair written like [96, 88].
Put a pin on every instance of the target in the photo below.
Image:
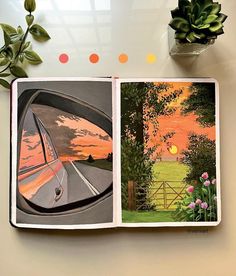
[90, 139]
[181, 125]
[74, 138]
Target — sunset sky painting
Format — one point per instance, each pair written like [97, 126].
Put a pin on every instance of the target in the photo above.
[181, 124]
[75, 138]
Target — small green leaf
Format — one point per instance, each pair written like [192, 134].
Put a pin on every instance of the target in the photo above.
[9, 53]
[39, 33]
[8, 29]
[199, 21]
[199, 35]
[4, 83]
[207, 8]
[4, 61]
[183, 4]
[211, 18]
[216, 8]
[20, 30]
[26, 45]
[16, 37]
[196, 10]
[201, 27]
[18, 72]
[32, 57]
[221, 18]
[29, 19]
[190, 37]
[180, 24]
[16, 47]
[30, 5]
[204, 15]
[4, 75]
[7, 39]
[219, 32]
[21, 58]
[216, 26]
[180, 35]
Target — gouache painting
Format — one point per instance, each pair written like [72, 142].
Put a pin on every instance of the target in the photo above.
[65, 154]
[168, 152]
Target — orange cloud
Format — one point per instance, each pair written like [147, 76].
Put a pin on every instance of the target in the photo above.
[90, 139]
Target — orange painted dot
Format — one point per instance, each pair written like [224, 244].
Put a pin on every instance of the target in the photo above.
[123, 58]
[63, 58]
[94, 58]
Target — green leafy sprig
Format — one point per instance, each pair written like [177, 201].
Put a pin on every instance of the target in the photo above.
[16, 50]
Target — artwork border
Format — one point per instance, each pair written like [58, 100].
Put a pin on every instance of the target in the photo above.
[13, 156]
[118, 150]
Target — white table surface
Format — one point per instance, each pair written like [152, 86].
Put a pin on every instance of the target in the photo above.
[109, 28]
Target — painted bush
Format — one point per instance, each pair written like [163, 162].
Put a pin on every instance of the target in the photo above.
[200, 202]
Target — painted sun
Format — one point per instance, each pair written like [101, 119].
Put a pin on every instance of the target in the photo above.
[173, 149]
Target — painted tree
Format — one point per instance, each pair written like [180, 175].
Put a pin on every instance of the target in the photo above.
[141, 105]
[109, 157]
[200, 156]
[90, 159]
[202, 103]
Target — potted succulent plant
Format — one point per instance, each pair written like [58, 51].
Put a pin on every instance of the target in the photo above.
[194, 26]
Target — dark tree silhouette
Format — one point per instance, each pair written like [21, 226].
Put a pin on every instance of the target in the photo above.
[200, 156]
[202, 103]
[109, 157]
[90, 159]
[141, 104]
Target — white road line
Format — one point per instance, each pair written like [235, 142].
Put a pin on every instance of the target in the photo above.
[90, 186]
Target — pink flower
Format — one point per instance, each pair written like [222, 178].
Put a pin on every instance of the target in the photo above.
[213, 182]
[205, 175]
[204, 205]
[190, 189]
[198, 201]
[207, 183]
[191, 205]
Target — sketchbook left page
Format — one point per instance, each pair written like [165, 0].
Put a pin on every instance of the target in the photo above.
[62, 153]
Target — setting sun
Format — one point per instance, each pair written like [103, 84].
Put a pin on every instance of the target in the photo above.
[173, 149]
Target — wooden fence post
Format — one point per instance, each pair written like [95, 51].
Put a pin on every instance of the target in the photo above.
[131, 195]
[164, 194]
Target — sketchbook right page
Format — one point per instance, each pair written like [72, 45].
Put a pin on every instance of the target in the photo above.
[168, 152]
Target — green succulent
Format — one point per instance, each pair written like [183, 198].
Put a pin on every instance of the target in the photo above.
[197, 21]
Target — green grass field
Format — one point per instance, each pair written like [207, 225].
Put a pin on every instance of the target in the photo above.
[169, 170]
[172, 173]
[146, 216]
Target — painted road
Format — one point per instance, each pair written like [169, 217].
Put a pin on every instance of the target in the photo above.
[85, 181]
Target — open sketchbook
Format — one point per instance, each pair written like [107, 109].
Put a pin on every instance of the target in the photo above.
[92, 153]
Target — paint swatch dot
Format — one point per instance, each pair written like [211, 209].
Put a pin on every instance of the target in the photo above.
[151, 58]
[63, 58]
[123, 58]
[94, 58]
